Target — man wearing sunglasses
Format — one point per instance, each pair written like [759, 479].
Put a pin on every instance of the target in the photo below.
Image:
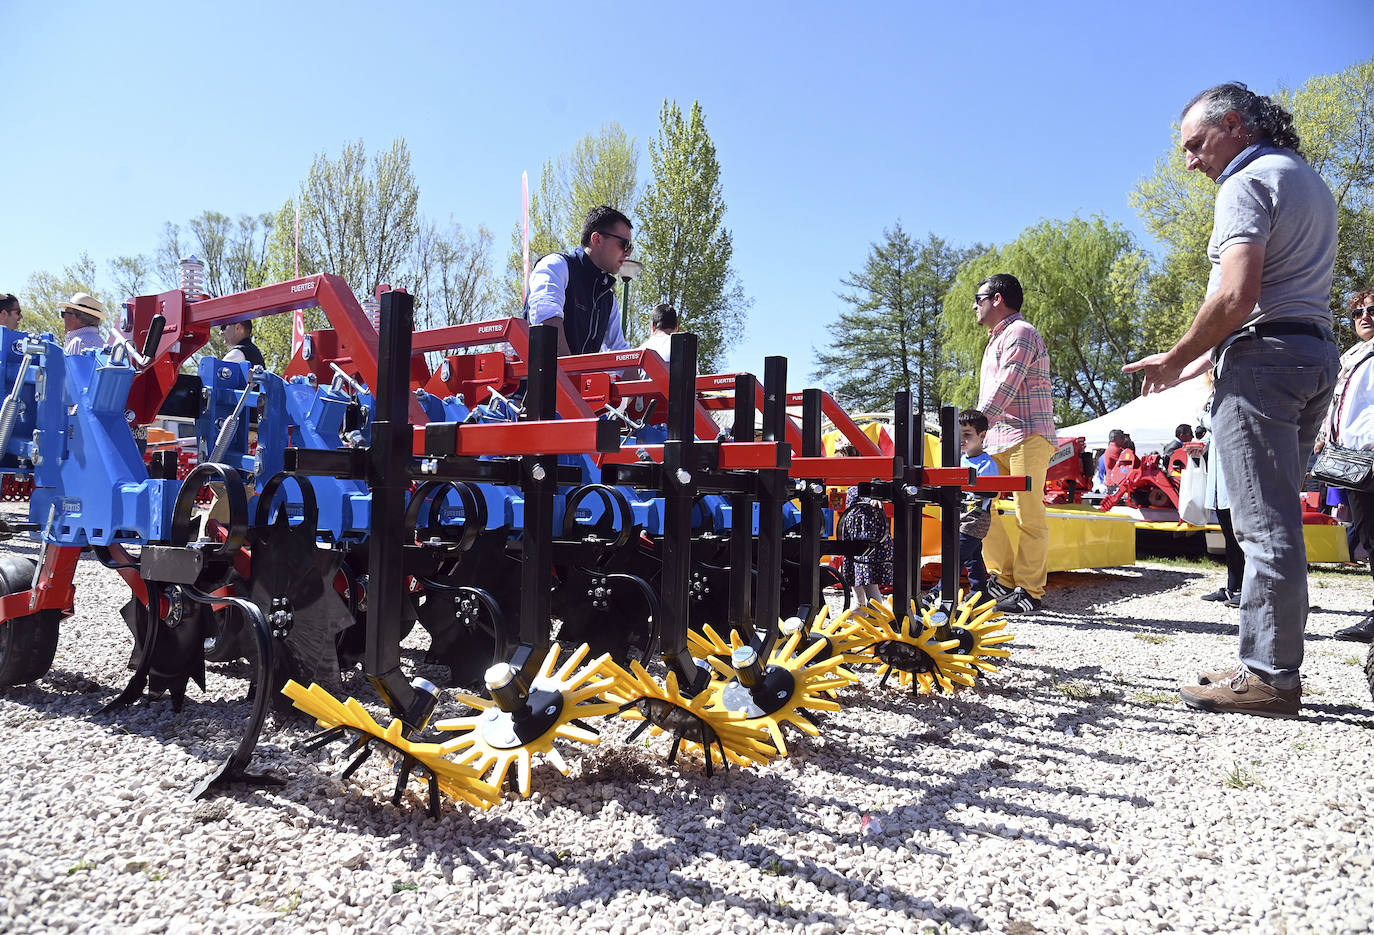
[575, 291]
[10, 314]
[1265, 328]
[1015, 394]
[239, 336]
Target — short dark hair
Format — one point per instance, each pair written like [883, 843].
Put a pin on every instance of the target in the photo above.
[975, 418]
[1008, 285]
[9, 303]
[247, 325]
[1181, 428]
[1114, 434]
[1262, 117]
[1199, 431]
[663, 317]
[600, 220]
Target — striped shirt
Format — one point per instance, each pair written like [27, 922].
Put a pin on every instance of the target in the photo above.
[1015, 391]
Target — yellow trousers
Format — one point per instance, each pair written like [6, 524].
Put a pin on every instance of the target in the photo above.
[1025, 566]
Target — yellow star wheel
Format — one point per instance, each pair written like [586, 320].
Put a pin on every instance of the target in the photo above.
[458, 782]
[693, 726]
[933, 665]
[494, 741]
[986, 625]
[848, 637]
[794, 681]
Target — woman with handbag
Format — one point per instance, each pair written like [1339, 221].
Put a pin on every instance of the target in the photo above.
[1347, 445]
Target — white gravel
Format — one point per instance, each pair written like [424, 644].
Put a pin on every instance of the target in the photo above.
[1071, 793]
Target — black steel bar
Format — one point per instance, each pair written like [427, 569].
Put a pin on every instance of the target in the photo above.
[388, 478]
[950, 500]
[538, 483]
[812, 507]
[742, 515]
[679, 496]
[906, 509]
[775, 489]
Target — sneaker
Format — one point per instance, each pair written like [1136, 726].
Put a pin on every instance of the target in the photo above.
[1362, 632]
[1242, 693]
[997, 590]
[1220, 594]
[1019, 602]
[1232, 599]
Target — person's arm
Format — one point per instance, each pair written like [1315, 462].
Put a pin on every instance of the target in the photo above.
[1242, 266]
[1007, 379]
[548, 287]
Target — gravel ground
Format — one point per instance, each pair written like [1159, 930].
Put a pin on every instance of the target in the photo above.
[1070, 792]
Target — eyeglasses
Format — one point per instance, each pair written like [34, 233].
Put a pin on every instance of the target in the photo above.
[625, 242]
[1366, 311]
[978, 297]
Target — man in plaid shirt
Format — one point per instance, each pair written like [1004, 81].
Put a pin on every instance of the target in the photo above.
[1015, 395]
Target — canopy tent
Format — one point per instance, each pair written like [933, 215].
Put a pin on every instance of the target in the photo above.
[1149, 420]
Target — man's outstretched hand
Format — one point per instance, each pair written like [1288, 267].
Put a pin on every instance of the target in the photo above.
[1162, 373]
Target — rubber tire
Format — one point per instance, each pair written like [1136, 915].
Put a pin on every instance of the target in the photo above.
[27, 644]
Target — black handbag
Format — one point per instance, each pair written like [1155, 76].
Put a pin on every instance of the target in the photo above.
[1349, 468]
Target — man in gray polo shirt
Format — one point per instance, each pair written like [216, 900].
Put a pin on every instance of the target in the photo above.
[1266, 328]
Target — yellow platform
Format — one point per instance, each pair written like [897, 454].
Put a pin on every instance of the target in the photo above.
[1078, 538]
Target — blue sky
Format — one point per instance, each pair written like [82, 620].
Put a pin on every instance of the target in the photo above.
[831, 121]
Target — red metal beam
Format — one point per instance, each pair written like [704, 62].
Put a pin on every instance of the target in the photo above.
[560, 437]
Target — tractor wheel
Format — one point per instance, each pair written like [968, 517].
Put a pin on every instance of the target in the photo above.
[27, 644]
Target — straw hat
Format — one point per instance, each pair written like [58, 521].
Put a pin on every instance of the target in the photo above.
[89, 304]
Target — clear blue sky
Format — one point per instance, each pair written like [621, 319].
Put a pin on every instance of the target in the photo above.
[831, 121]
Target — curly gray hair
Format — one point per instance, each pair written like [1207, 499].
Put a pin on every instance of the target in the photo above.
[1264, 119]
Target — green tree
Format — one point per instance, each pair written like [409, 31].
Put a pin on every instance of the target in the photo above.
[600, 169]
[450, 275]
[132, 275]
[890, 338]
[360, 220]
[46, 292]
[1083, 281]
[687, 248]
[1334, 116]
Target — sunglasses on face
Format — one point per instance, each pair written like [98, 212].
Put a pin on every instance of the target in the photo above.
[626, 244]
[1365, 311]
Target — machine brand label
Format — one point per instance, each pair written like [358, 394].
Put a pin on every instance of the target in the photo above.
[303, 287]
[488, 329]
[71, 504]
[629, 355]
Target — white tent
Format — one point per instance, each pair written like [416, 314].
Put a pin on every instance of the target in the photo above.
[1149, 420]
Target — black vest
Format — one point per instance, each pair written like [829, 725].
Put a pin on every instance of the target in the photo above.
[587, 303]
[251, 353]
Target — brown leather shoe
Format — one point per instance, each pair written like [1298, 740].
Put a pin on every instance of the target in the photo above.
[1219, 675]
[1242, 693]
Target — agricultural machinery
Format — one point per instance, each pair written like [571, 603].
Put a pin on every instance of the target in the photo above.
[578, 537]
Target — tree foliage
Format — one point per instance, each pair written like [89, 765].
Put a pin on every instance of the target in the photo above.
[687, 248]
[891, 338]
[1334, 116]
[600, 169]
[42, 299]
[1083, 281]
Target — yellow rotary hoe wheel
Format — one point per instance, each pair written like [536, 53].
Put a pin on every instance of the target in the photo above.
[494, 741]
[849, 638]
[795, 680]
[985, 626]
[921, 661]
[342, 718]
[693, 725]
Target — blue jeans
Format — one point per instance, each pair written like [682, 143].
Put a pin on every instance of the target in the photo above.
[971, 561]
[1271, 396]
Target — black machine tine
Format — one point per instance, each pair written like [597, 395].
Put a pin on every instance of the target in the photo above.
[949, 499]
[584, 725]
[357, 762]
[643, 725]
[739, 614]
[774, 492]
[710, 769]
[677, 745]
[320, 740]
[433, 795]
[402, 776]
[679, 497]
